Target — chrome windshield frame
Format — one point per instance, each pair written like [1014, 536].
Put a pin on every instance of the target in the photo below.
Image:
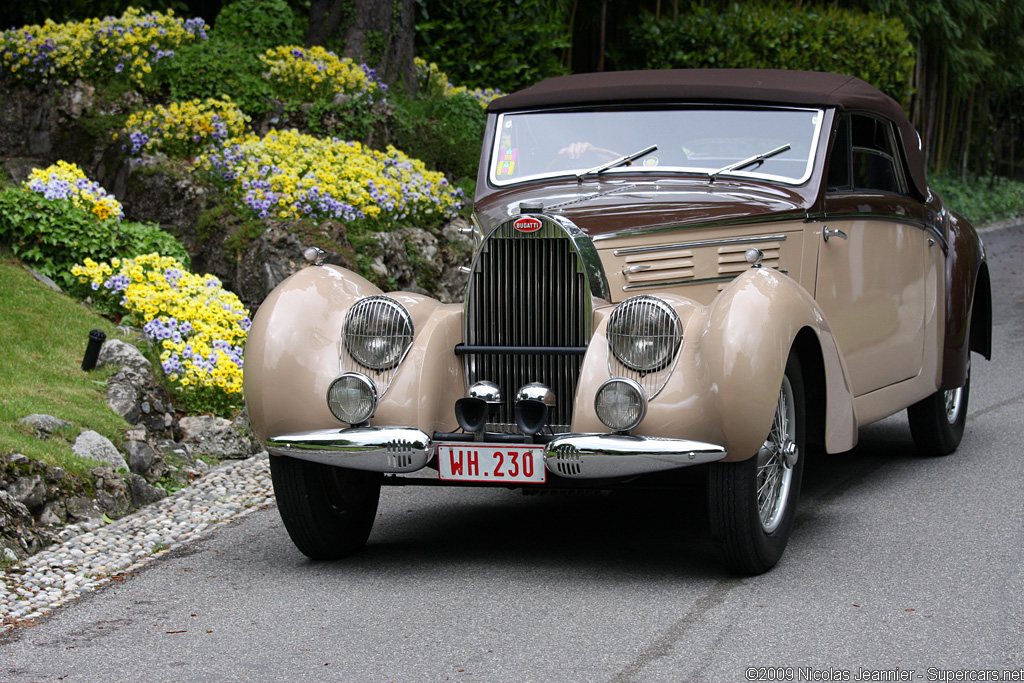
[699, 171]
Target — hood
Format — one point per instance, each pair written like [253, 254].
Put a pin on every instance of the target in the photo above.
[602, 207]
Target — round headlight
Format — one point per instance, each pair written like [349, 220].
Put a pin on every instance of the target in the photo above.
[644, 333]
[378, 331]
[352, 398]
[620, 404]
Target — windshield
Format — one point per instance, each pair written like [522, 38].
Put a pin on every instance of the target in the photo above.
[707, 141]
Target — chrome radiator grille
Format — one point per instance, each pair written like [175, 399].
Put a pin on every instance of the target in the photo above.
[528, 290]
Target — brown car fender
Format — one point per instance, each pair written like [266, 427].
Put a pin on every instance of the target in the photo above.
[291, 355]
[968, 302]
[751, 328]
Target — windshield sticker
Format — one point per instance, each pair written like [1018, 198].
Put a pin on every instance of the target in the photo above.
[507, 161]
[651, 161]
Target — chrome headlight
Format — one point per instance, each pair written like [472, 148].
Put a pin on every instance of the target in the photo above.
[352, 398]
[620, 404]
[644, 333]
[378, 332]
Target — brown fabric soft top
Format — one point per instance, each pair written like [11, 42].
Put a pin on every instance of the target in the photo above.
[732, 86]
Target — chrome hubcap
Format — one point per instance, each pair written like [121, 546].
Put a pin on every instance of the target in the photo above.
[775, 461]
[953, 398]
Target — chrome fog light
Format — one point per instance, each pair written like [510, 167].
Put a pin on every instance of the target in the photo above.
[352, 398]
[644, 333]
[534, 402]
[473, 411]
[620, 404]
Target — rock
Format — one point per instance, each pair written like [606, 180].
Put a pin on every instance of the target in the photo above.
[44, 424]
[144, 493]
[123, 399]
[214, 437]
[145, 460]
[83, 509]
[141, 401]
[53, 513]
[112, 492]
[17, 459]
[118, 354]
[46, 281]
[30, 491]
[94, 446]
[427, 263]
[20, 537]
[140, 456]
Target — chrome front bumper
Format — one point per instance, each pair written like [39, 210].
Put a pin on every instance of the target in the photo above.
[576, 456]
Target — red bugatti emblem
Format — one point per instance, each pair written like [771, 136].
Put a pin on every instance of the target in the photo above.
[527, 225]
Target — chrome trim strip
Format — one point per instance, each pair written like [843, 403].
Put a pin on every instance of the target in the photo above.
[785, 218]
[598, 456]
[888, 217]
[376, 449]
[702, 281]
[703, 243]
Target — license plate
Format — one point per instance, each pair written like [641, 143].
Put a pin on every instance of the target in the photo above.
[499, 463]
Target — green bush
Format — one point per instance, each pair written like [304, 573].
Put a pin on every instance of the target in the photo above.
[52, 236]
[493, 43]
[445, 132]
[259, 24]
[874, 48]
[216, 68]
[981, 200]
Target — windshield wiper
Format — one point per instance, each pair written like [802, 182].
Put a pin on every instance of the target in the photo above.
[747, 162]
[615, 163]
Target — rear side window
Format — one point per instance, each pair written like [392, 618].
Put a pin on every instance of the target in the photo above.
[865, 156]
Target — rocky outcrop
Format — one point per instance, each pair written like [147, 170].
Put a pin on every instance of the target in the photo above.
[38, 128]
[157, 453]
[138, 398]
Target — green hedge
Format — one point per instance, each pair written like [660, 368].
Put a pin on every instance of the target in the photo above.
[494, 43]
[869, 46]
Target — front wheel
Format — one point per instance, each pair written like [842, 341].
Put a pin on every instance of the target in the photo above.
[752, 503]
[937, 422]
[327, 511]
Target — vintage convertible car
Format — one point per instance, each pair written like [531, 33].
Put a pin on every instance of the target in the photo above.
[724, 269]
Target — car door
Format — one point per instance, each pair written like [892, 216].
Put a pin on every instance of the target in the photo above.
[872, 257]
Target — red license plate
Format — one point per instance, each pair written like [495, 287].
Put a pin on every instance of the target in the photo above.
[499, 463]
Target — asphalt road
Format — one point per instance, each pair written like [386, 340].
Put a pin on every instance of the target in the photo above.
[907, 565]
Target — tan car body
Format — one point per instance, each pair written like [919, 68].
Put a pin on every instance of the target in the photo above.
[880, 315]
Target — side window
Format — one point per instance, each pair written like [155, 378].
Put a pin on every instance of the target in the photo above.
[875, 162]
[839, 163]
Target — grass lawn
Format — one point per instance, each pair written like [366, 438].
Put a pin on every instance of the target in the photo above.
[43, 336]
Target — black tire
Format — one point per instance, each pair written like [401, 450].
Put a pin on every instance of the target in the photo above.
[937, 422]
[753, 531]
[328, 511]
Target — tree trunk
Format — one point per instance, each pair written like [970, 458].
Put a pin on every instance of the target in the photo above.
[377, 33]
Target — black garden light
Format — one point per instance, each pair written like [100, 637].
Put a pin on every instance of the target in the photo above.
[92, 351]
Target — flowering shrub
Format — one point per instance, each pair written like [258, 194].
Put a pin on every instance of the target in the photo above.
[184, 128]
[290, 175]
[94, 49]
[300, 74]
[58, 217]
[434, 82]
[198, 326]
[67, 181]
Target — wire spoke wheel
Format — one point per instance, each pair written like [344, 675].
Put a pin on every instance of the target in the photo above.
[775, 461]
[752, 502]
